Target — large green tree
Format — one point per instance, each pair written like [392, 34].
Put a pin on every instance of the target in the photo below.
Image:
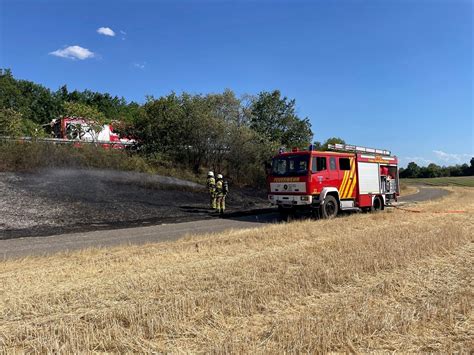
[161, 128]
[324, 146]
[431, 171]
[35, 102]
[412, 171]
[274, 118]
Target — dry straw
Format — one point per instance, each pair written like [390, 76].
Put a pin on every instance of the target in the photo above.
[387, 281]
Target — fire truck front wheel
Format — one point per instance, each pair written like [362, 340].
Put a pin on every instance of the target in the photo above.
[286, 213]
[330, 207]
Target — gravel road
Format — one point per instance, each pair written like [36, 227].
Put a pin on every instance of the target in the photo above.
[425, 194]
[20, 247]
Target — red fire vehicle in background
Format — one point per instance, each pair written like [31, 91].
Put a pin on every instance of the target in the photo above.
[79, 131]
[82, 130]
[347, 177]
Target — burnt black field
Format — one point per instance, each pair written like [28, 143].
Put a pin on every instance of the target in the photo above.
[69, 200]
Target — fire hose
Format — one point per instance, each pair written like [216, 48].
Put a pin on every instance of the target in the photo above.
[418, 211]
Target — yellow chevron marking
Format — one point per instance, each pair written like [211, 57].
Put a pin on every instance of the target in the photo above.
[346, 188]
[352, 184]
[344, 179]
[351, 190]
[354, 180]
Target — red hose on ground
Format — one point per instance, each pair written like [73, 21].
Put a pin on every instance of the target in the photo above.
[418, 211]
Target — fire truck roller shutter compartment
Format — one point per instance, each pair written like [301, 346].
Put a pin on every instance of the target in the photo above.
[368, 178]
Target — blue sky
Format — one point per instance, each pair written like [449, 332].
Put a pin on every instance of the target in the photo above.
[394, 74]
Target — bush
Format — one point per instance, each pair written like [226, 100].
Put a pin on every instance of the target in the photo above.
[10, 122]
[30, 156]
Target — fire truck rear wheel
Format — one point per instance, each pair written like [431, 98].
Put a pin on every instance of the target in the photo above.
[330, 208]
[377, 204]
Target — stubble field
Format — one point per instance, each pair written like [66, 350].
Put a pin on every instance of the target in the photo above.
[395, 280]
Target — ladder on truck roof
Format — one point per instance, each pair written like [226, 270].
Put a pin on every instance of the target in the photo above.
[357, 149]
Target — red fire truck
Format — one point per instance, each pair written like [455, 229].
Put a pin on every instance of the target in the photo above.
[79, 130]
[346, 177]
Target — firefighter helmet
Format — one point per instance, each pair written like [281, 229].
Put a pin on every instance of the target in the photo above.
[210, 174]
[219, 176]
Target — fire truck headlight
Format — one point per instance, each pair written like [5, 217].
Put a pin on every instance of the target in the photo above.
[304, 198]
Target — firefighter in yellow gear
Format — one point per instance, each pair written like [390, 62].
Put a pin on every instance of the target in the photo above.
[211, 186]
[221, 192]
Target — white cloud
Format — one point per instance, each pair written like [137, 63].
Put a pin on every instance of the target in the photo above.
[73, 52]
[452, 158]
[140, 65]
[440, 158]
[124, 34]
[418, 160]
[106, 31]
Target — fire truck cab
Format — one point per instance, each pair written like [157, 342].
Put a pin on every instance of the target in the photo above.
[345, 178]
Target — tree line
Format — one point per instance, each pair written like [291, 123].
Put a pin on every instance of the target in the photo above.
[223, 132]
[220, 131]
[432, 170]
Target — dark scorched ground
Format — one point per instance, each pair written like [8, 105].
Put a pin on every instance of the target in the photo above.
[61, 201]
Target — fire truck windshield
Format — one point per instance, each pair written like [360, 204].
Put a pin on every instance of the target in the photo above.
[290, 165]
